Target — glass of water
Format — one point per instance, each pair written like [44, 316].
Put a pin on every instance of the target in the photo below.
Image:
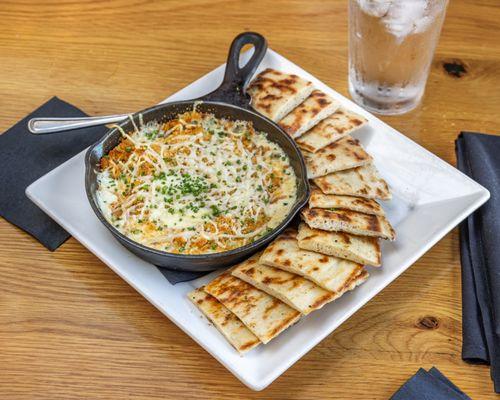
[391, 45]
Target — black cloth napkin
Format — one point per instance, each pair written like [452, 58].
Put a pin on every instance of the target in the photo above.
[431, 385]
[478, 156]
[25, 157]
[180, 276]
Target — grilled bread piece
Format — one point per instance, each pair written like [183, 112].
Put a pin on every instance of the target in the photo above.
[331, 273]
[343, 154]
[275, 93]
[263, 314]
[348, 221]
[236, 333]
[362, 181]
[320, 200]
[335, 127]
[294, 290]
[315, 108]
[360, 249]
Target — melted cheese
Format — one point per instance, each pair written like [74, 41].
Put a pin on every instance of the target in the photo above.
[196, 184]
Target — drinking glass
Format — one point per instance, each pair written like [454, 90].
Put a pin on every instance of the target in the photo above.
[391, 45]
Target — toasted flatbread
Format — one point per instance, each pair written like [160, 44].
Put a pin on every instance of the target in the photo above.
[275, 93]
[362, 181]
[359, 249]
[294, 290]
[348, 221]
[335, 127]
[237, 334]
[320, 200]
[331, 273]
[263, 314]
[343, 154]
[315, 108]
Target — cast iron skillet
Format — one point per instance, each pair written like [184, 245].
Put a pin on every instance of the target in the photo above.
[228, 101]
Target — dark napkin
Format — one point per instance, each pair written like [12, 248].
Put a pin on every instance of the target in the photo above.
[25, 157]
[180, 276]
[478, 156]
[431, 385]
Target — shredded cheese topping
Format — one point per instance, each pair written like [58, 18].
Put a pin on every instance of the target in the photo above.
[196, 184]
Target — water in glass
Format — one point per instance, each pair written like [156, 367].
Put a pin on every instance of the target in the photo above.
[391, 45]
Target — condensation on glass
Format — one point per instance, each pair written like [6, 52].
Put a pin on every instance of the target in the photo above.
[391, 45]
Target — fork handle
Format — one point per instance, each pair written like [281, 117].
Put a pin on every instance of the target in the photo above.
[41, 126]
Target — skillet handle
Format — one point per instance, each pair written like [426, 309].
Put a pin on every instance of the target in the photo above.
[232, 89]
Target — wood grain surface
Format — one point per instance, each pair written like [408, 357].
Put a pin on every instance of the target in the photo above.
[71, 329]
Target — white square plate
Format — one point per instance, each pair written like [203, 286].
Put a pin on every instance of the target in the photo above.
[430, 198]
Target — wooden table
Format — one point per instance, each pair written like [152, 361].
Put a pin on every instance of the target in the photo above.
[70, 328]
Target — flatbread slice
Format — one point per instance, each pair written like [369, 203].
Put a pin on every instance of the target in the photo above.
[331, 273]
[348, 221]
[264, 315]
[362, 181]
[294, 290]
[359, 249]
[335, 127]
[315, 108]
[237, 334]
[343, 154]
[275, 93]
[320, 200]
